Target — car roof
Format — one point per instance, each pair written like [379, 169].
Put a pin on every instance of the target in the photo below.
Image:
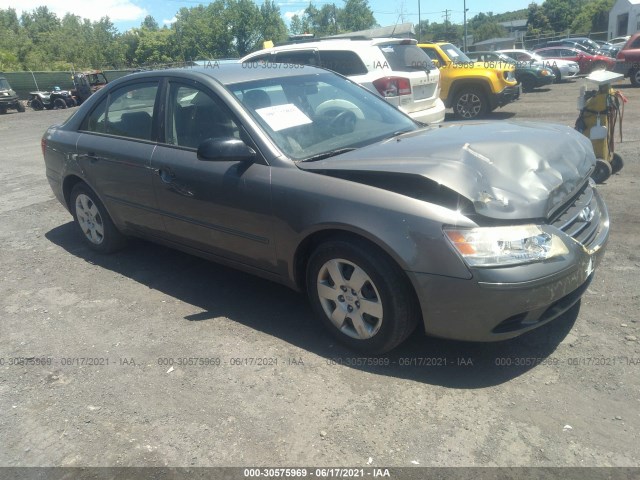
[228, 73]
[341, 43]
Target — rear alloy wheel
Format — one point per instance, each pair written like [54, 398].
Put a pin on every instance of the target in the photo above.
[470, 103]
[59, 104]
[602, 171]
[634, 76]
[361, 296]
[93, 221]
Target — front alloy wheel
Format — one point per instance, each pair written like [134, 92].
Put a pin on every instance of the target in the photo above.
[469, 104]
[361, 295]
[350, 299]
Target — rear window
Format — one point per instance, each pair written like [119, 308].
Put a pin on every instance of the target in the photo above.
[406, 58]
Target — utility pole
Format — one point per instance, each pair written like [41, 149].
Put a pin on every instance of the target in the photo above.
[464, 40]
[446, 24]
[419, 24]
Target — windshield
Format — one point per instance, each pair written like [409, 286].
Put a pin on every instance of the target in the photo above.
[308, 116]
[455, 54]
[4, 85]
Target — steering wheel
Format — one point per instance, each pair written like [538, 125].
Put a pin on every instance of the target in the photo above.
[343, 122]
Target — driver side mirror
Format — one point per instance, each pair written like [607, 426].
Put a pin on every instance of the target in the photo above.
[225, 149]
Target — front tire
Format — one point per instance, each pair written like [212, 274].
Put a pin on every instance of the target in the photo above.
[470, 103]
[634, 76]
[97, 229]
[528, 83]
[59, 104]
[37, 104]
[361, 296]
[556, 72]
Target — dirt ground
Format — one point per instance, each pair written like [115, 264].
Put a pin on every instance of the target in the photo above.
[151, 357]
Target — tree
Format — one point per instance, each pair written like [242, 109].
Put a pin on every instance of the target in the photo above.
[149, 23]
[356, 15]
[537, 21]
[562, 12]
[272, 26]
[594, 17]
[243, 18]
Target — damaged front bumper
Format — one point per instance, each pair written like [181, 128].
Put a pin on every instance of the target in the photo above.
[502, 303]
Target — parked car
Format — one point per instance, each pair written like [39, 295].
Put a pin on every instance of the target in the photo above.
[392, 67]
[8, 97]
[471, 89]
[628, 60]
[619, 40]
[588, 63]
[479, 231]
[609, 50]
[562, 69]
[571, 43]
[530, 76]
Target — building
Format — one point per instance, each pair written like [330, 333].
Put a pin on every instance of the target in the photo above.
[494, 44]
[624, 18]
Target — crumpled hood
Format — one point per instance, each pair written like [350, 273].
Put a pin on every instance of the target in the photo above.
[509, 170]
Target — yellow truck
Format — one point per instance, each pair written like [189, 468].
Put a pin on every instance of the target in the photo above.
[471, 89]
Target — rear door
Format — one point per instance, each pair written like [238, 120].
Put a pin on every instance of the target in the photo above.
[114, 150]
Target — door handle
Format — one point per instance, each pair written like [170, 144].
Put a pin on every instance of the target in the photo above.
[166, 175]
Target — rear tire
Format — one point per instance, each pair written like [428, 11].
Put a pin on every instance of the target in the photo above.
[634, 76]
[59, 104]
[598, 66]
[361, 295]
[92, 220]
[470, 103]
[602, 171]
[616, 163]
[37, 104]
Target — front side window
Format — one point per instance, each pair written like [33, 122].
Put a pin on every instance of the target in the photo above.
[194, 116]
[125, 112]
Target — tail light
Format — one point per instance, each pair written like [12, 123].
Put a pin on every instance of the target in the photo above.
[43, 145]
[393, 86]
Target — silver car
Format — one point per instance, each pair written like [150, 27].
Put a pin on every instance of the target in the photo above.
[477, 232]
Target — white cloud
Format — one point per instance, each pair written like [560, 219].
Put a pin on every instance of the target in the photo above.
[170, 21]
[116, 10]
[289, 15]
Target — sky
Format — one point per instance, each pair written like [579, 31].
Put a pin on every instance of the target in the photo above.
[126, 14]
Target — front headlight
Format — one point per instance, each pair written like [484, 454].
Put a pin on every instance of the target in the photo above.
[500, 246]
[544, 72]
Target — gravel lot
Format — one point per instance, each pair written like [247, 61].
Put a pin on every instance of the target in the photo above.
[283, 393]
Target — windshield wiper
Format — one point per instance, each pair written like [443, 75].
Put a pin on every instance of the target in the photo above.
[398, 133]
[330, 153]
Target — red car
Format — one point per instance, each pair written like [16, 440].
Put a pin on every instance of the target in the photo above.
[628, 60]
[588, 63]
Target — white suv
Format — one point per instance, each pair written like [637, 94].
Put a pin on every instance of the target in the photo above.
[394, 68]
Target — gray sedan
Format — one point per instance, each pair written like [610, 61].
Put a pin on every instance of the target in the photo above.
[478, 232]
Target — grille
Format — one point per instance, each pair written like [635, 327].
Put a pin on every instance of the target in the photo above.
[581, 219]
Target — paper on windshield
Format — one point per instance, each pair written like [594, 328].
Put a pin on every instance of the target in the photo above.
[281, 117]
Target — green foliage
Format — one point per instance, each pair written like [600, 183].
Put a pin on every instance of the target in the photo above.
[594, 17]
[537, 21]
[562, 12]
[331, 20]
[445, 32]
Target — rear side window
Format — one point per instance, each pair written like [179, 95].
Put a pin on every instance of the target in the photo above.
[406, 58]
[636, 42]
[126, 112]
[434, 55]
[342, 61]
[298, 57]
